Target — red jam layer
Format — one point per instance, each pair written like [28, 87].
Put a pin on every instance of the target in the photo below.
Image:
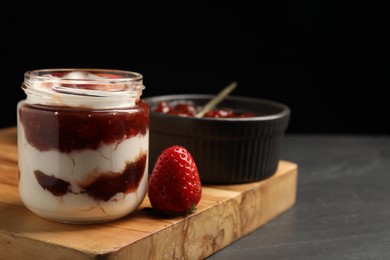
[186, 109]
[66, 129]
[104, 187]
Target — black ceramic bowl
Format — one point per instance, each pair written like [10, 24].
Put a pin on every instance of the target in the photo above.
[226, 150]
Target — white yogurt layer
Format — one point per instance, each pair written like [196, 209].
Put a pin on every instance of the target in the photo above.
[77, 167]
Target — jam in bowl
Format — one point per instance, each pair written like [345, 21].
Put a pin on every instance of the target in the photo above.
[189, 108]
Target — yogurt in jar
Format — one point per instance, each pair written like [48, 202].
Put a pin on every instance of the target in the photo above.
[83, 137]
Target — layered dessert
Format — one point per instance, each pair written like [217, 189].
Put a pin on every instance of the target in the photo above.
[84, 163]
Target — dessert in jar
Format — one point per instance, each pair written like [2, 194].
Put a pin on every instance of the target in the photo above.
[83, 138]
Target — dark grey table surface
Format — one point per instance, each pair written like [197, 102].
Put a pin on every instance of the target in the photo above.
[343, 203]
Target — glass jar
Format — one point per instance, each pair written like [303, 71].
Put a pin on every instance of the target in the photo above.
[83, 139]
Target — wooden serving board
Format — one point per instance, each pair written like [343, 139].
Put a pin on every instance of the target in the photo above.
[224, 215]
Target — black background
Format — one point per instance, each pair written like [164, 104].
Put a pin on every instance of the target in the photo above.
[327, 61]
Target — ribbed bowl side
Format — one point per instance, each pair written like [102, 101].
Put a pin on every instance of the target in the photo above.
[222, 161]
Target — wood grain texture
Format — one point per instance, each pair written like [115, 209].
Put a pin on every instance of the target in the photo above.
[224, 214]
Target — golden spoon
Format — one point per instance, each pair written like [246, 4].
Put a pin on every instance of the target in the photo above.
[217, 99]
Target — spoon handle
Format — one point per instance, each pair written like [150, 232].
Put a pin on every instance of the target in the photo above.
[218, 98]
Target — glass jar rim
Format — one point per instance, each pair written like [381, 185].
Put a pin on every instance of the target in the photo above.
[74, 84]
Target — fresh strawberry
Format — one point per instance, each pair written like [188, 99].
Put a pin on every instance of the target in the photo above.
[174, 185]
